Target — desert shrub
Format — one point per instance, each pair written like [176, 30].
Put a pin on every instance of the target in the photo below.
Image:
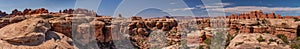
[266, 31]
[239, 43]
[297, 19]
[257, 48]
[260, 39]
[200, 47]
[296, 44]
[283, 38]
[207, 41]
[183, 44]
[229, 38]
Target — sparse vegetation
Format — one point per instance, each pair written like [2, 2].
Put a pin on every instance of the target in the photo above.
[260, 39]
[296, 19]
[296, 44]
[283, 38]
[266, 31]
[229, 38]
[183, 44]
[200, 47]
[207, 41]
[257, 48]
[239, 43]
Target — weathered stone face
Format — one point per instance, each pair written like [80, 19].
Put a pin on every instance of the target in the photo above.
[32, 33]
[62, 26]
[98, 30]
[244, 41]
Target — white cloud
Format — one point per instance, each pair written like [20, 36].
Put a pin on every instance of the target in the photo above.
[242, 9]
[224, 4]
[172, 3]
[180, 9]
[214, 5]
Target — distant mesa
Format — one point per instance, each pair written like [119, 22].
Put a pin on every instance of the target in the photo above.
[258, 14]
[250, 15]
[78, 11]
[29, 11]
[45, 11]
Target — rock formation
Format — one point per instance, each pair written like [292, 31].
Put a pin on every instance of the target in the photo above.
[36, 11]
[31, 33]
[2, 14]
[41, 29]
[257, 41]
[78, 11]
[16, 12]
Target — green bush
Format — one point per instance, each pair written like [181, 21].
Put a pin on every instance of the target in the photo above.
[207, 41]
[239, 43]
[200, 47]
[283, 38]
[260, 39]
[296, 44]
[229, 38]
[296, 19]
[257, 48]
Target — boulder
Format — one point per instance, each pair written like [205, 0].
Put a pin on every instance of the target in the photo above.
[256, 40]
[53, 40]
[29, 32]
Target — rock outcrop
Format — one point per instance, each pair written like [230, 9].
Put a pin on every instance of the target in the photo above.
[36, 11]
[78, 11]
[257, 14]
[16, 12]
[31, 33]
[41, 29]
[7, 21]
[3, 14]
[257, 41]
[140, 29]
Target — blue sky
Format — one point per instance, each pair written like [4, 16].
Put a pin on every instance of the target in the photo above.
[108, 7]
